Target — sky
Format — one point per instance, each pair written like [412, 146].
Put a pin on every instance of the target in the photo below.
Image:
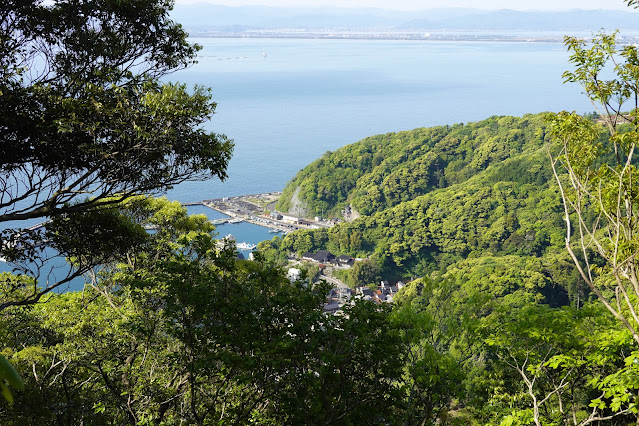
[430, 4]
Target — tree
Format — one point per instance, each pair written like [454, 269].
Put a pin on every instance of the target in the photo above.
[180, 331]
[364, 273]
[85, 121]
[554, 365]
[599, 190]
[436, 330]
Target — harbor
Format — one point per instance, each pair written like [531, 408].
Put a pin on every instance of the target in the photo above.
[259, 209]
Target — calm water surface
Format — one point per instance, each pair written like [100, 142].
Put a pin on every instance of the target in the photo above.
[286, 102]
[305, 97]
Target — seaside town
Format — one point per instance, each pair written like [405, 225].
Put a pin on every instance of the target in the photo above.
[259, 209]
[478, 36]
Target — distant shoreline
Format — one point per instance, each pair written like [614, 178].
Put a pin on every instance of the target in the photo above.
[401, 36]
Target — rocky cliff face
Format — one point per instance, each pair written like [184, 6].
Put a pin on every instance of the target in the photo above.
[298, 206]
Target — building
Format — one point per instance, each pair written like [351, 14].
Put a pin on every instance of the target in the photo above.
[290, 219]
[323, 256]
[293, 274]
[345, 260]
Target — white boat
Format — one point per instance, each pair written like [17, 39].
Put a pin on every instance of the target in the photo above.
[245, 246]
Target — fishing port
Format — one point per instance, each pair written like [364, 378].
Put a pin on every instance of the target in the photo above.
[259, 209]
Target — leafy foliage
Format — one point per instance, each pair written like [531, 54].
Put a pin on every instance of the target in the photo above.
[179, 330]
[173, 329]
[496, 221]
[383, 171]
[85, 121]
[602, 174]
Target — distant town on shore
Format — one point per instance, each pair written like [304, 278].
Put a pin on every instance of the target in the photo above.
[443, 24]
[438, 36]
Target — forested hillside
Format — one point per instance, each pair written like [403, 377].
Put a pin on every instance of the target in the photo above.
[475, 200]
[500, 325]
[385, 170]
[520, 234]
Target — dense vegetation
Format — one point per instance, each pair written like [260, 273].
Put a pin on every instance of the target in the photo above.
[529, 281]
[512, 321]
[511, 332]
[383, 171]
[177, 330]
[86, 121]
[495, 217]
[180, 331]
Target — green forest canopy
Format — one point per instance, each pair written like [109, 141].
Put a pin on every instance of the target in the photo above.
[173, 329]
[474, 200]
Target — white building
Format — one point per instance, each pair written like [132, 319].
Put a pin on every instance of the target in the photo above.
[293, 274]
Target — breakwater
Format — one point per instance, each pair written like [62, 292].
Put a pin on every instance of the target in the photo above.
[258, 209]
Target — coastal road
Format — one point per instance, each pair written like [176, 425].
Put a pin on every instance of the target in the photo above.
[337, 283]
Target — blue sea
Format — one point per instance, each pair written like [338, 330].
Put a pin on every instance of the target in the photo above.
[286, 102]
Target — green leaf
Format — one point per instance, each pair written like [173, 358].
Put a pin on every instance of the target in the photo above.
[6, 393]
[8, 373]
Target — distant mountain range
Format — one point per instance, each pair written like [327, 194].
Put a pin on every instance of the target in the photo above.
[255, 18]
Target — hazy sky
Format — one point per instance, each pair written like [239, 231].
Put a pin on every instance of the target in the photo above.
[429, 4]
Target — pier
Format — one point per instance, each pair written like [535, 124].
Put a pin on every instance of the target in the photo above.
[258, 209]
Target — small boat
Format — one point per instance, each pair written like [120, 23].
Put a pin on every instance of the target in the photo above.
[237, 220]
[245, 246]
